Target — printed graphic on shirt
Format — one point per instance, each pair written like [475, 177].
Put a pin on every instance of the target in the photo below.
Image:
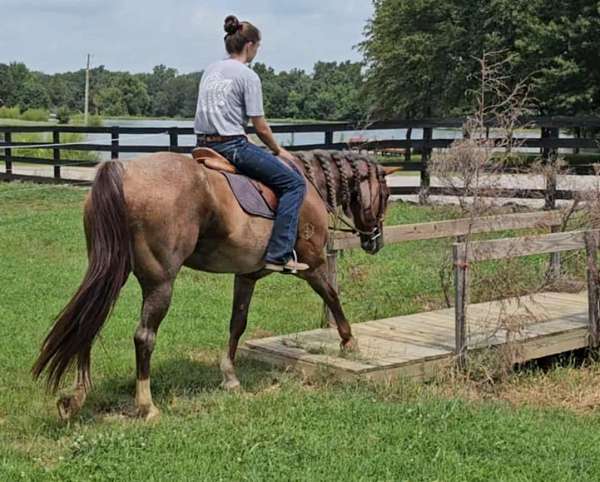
[214, 92]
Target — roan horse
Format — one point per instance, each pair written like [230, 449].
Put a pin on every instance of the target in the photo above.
[162, 211]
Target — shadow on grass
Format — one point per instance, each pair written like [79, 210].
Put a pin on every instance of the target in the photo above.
[181, 378]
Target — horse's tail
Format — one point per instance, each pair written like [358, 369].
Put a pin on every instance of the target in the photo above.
[109, 265]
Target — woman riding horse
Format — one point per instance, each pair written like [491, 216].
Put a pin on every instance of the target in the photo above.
[229, 94]
[160, 212]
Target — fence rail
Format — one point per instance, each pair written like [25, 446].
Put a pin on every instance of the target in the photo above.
[474, 251]
[548, 144]
[455, 228]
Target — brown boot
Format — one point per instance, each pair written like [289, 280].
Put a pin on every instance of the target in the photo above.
[290, 267]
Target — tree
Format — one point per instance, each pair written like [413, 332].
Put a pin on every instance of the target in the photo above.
[421, 55]
[410, 51]
[109, 101]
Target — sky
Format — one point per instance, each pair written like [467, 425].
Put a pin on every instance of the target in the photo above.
[135, 35]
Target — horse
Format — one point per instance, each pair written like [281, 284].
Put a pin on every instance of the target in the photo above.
[159, 212]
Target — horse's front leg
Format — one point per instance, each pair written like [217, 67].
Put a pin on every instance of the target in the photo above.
[318, 280]
[242, 295]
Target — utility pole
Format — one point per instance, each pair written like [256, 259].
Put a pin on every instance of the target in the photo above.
[87, 91]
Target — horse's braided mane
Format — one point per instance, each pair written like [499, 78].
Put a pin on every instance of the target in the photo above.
[325, 160]
[307, 165]
[344, 183]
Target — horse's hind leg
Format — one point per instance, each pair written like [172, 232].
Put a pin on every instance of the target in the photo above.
[69, 405]
[243, 290]
[157, 299]
[318, 281]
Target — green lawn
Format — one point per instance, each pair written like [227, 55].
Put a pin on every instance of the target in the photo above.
[282, 427]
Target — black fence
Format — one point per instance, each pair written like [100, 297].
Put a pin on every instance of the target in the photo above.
[401, 151]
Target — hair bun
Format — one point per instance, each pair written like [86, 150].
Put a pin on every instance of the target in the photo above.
[232, 24]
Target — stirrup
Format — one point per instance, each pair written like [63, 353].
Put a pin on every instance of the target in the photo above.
[290, 267]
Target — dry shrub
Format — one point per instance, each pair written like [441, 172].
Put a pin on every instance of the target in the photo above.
[472, 168]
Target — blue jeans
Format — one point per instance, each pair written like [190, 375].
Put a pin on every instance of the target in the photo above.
[288, 185]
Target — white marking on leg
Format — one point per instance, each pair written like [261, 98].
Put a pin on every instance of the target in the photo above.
[143, 396]
[230, 380]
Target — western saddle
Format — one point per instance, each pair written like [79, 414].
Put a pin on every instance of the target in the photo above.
[213, 160]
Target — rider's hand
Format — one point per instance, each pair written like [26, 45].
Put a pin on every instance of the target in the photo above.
[285, 155]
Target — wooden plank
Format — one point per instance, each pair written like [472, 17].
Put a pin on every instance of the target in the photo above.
[461, 290]
[56, 154]
[591, 247]
[114, 142]
[422, 371]
[43, 180]
[332, 257]
[7, 155]
[456, 227]
[524, 246]
[401, 336]
[431, 322]
[373, 350]
[560, 325]
[425, 181]
[532, 349]
[494, 192]
[305, 367]
[279, 348]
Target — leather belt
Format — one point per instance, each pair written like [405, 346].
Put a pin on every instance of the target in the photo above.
[206, 138]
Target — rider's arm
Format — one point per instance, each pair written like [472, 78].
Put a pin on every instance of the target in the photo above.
[263, 130]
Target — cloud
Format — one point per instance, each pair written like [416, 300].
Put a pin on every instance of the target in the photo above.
[60, 7]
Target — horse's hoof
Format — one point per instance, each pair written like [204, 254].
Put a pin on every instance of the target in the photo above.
[350, 346]
[231, 385]
[68, 406]
[148, 413]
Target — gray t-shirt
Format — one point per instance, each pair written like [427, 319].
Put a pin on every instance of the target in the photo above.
[229, 93]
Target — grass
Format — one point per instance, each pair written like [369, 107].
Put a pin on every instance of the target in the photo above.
[31, 115]
[47, 154]
[282, 427]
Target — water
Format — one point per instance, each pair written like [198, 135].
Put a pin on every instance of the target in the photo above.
[285, 139]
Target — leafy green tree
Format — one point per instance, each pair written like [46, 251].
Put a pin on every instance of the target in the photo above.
[422, 55]
[410, 54]
[109, 101]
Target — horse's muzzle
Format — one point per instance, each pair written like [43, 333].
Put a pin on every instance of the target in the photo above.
[373, 242]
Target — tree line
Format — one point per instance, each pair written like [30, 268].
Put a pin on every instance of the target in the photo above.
[420, 60]
[330, 92]
[422, 55]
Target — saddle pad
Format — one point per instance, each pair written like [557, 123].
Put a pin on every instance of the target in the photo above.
[248, 196]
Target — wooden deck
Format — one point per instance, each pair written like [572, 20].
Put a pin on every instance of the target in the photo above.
[419, 344]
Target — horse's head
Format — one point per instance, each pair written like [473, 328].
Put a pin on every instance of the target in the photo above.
[370, 203]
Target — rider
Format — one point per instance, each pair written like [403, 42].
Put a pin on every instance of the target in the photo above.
[230, 93]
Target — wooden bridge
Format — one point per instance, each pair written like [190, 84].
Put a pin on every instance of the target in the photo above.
[417, 345]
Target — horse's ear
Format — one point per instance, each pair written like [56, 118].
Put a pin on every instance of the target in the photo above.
[391, 170]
